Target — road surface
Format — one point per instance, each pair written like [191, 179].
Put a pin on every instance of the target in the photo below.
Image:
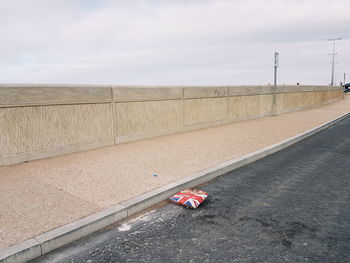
[292, 206]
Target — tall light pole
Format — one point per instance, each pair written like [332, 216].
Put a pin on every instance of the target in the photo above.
[344, 78]
[275, 66]
[274, 110]
[333, 54]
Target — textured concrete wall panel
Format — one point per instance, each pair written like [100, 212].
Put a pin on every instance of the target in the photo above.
[147, 119]
[293, 101]
[247, 107]
[328, 96]
[241, 107]
[29, 129]
[302, 100]
[266, 106]
[201, 111]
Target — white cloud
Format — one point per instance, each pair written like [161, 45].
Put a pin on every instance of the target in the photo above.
[171, 42]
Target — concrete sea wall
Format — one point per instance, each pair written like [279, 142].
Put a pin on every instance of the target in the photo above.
[39, 121]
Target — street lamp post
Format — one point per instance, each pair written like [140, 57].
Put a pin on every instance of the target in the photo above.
[274, 110]
[333, 54]
[275, 66]
[344, 78]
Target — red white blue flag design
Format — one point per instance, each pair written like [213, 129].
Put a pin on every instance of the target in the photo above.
[189, 198]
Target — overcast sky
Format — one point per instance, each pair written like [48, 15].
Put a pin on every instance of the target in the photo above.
[172, 42]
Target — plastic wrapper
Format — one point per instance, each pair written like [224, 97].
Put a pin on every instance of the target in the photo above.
[189, 198]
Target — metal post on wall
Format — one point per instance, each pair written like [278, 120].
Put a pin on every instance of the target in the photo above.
[344, 78]
[275, 82]
[276, 66]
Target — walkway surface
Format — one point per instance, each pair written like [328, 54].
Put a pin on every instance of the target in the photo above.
[293, 206]
[38, 196]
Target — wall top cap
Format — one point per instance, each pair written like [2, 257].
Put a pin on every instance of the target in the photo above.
[52, 94]
[23, 95]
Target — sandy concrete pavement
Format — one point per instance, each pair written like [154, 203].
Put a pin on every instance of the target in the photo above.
[38, 196]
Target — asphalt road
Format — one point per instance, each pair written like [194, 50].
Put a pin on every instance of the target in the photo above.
[292, 206]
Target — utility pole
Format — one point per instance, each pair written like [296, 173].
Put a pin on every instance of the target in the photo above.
[333, 54]
[344, 78]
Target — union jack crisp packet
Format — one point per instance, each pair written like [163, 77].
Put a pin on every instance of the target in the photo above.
[189, 198]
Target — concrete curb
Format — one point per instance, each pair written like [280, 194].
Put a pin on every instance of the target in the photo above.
[44, 243]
